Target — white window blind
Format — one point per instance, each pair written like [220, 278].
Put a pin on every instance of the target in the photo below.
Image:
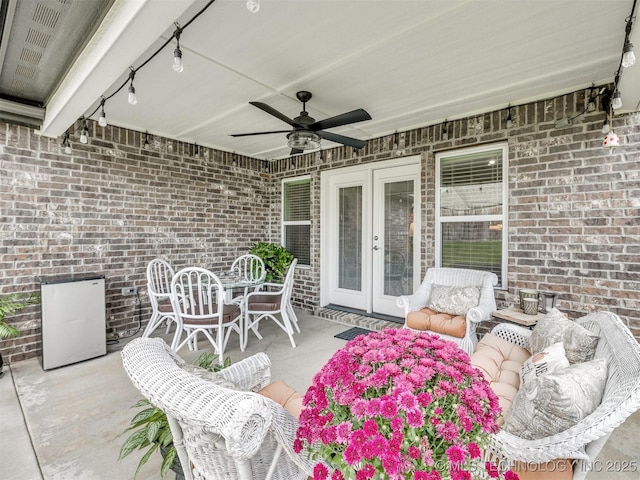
[471, 213]
[296, 218]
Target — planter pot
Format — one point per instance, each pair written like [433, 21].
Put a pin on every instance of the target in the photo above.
[176, 467]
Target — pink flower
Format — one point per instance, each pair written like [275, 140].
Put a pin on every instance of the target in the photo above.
[510, 475]
[455, 454]
[320, 472]
[474, 450]
[492, 470]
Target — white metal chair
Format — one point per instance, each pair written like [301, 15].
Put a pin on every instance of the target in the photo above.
[268, 304]
[248, 268]
[459, 277]
[198, 300]
[159, 276]
[221, 428]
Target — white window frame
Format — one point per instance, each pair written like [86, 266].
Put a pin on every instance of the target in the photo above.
[503, 218]
[284, 223]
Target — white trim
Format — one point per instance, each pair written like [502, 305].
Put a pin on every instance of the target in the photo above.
[284, 181]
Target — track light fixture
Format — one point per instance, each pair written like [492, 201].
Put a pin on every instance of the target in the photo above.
[177, 53]
[253, 6]
[131, 98]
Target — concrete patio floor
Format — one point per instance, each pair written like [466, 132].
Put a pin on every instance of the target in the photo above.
[66, 424]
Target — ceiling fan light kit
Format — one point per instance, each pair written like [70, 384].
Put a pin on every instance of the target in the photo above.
[307, 132]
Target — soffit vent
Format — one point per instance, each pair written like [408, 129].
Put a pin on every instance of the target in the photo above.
[37, 38]
[46, 16]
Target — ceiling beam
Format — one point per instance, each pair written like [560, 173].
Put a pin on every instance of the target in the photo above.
[127, 31]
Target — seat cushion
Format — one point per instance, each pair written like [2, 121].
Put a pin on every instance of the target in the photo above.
[264, 303]
[427, 319]
[500, 361]
[284, 395]
[165, 306]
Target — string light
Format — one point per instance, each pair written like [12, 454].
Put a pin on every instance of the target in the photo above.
[606, 128]
[445, 133]
[628, 57]
[102, 120]
[131, 98]
[84, 133]
[66, 143]
[509, 119]
[146, 139]
[616, 103]
[177, 53]
[253, 6]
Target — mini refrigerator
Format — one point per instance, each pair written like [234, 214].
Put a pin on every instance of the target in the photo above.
[73, 320]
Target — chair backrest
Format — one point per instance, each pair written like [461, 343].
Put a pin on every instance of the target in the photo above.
[249, 267]
[159, 276]
[197, 294]
[287, 286]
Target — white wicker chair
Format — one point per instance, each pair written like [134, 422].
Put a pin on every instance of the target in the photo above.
[248, 268]
[459, 277]
[159, 275]
[220, 426]
[584, 440]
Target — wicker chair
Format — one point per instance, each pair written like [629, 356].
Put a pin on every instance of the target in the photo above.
[459, 277]
[220, 426]
[159, 275]
[584, 441]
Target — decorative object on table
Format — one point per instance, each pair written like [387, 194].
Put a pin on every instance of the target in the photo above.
[9, 304]
[548, 301]
[399, 404]
[527, 293]
[276, 259]
[530, 306]
[151, 428]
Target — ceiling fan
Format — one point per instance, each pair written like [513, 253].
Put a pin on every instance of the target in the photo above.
[307, 132]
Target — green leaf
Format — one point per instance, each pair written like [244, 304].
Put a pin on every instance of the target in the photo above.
[169, 459]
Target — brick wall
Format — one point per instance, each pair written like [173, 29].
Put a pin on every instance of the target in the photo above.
[112, 205]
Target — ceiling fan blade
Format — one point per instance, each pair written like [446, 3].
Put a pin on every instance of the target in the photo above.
[354, 116]
[295, 151]
[334, 137]
[272, 111]
[258, 133]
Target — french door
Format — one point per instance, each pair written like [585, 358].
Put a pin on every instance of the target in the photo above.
[369, 250]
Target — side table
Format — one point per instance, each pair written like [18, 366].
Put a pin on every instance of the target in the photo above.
[515, 315]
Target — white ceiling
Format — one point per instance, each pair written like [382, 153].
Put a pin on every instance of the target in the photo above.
[409, 63]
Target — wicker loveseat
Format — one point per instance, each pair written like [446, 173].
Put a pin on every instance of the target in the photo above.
[570, 453]
[229, 424]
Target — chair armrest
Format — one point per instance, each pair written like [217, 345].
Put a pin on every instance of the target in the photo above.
[251, 373]
[513, 333]
[411, 303]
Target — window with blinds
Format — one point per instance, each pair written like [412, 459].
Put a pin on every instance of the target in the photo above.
[296, 218]
[471, 209]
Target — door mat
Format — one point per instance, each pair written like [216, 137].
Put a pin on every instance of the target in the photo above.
[352, 333]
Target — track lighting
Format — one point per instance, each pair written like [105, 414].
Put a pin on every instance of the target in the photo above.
[509, 119]
[253, 5]
[102, 119]
[131, 98]
[616, 103]
[177, 53]
[84, 133]
[628, 58]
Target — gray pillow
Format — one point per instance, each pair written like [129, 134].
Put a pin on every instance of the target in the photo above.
[579, 343]
[563, 398]
[452, 299]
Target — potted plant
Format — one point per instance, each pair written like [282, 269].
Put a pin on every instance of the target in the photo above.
[151, 428]
[11, 304]
[276, 259]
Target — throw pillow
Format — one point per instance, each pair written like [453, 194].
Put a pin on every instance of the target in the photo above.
[579, 343]
[453, 300]
[563, 399]
[548, 360]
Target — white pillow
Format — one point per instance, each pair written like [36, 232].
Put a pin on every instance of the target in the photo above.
[453, 300]
[563, 399]
[579, 343]
[546, 361]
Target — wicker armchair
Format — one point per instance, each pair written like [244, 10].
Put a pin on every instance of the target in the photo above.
[221, 428]
[584, 441]
[458, 277]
